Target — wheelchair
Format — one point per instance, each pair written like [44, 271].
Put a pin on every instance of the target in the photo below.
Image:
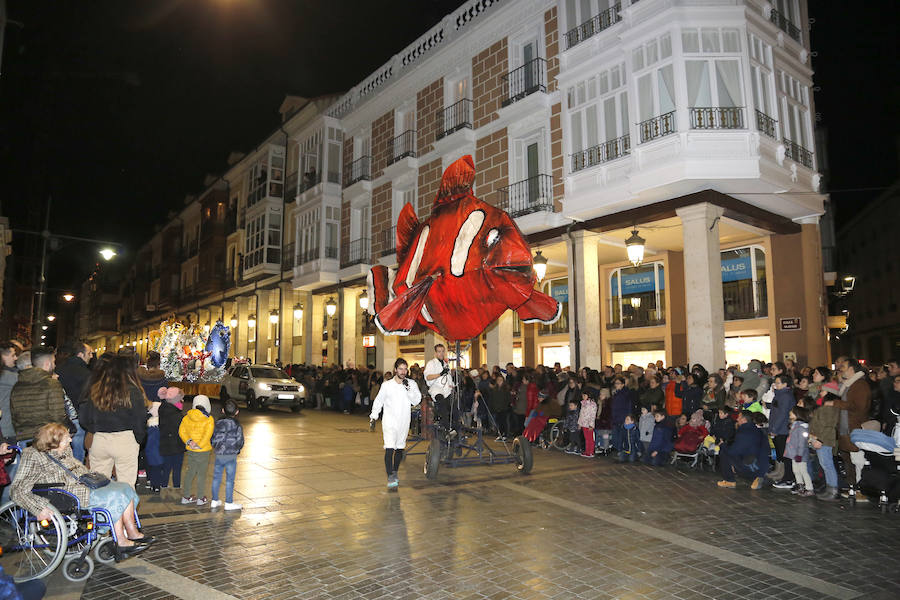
[33, 548]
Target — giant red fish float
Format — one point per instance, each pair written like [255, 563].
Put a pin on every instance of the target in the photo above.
[459, 270]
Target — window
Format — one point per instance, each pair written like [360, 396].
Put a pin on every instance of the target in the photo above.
[637, 297]
[761, 76]
[558, 289]
[263, 240]
[794, 106]
[598, 115]
[308, 225]
[335, 140]
[311, 161]
[744, 283]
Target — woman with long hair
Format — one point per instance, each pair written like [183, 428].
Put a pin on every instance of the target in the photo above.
[116, 414]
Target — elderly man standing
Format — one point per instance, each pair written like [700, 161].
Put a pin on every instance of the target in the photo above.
[855, 403]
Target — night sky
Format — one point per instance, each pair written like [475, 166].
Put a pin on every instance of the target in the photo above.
[119, 108]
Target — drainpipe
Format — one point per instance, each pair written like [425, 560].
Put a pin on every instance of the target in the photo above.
[573, 297]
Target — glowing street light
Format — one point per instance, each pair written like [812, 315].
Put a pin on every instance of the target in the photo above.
[634, 245]
[233, 322]
[107, 253]
[51, 318]
[539, 263]
[68, 297]
[364, 301]
[298, 311]
[331, 307]
[273, 317]
[251, 321]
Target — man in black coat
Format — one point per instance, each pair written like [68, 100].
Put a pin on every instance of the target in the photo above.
[74, 375]
[746, 456]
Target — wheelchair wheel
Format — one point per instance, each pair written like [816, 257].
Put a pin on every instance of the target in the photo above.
[524, 459]
[78, 569]
[31, 550]
[433, 460]
[558, 436]
[105, 551]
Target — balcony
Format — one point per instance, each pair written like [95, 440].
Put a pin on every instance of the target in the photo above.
[593, 26]
[359, 170]
[288, 258]
[528, 196]
[784, 24]
[403, 145]
[636, 311]
[798, 153]
[310, 180]
[356, 252]
[524, 81]
[739, 300]
[389, 241]
[766, 124]
[602, 153]
[657, 127]
[730, 117]
[455, 117]
[290, 186]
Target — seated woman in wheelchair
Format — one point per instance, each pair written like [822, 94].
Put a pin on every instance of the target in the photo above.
[37, 467]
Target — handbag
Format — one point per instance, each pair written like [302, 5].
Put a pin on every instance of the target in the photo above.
[91, 480]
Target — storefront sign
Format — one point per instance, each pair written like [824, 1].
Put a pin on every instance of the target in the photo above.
[560, 293]
[790, 324]
[736, 269]
[636, 283]
[368, 341]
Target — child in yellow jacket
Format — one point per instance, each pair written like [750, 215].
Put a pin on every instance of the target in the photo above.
[195, 431]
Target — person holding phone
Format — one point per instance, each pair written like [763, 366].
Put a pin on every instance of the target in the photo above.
[394, 400]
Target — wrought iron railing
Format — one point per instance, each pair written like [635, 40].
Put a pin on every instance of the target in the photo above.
[288, 258]
[657, 127]
[455, 117]
[403, 145]
[527, 196]
[359, 170]
[798, 153]
[739, 302]
[355, 253]
[643, 312]
[717, 117]
[290, 186]
[389, 241]
[766, 124]
[331, 252]
[593, 26]
[784, 24]
[309, 180]
[601, 153]
[524, 81]
[308, 255]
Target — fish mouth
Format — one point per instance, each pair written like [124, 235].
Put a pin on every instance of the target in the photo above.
[522, 269]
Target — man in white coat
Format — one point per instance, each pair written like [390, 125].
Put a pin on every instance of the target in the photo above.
[440, 384]
[395, 398]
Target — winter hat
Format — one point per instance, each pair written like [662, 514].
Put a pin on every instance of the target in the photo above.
[201, 401]
[832, 387]
[473, 373]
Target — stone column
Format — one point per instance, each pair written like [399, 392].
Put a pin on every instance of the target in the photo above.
[431, 339]
[703, 285]
[349, 319]
[242, 311]
[816, 305]
[500, 341]
[263, 341]
[286, 323]
[387, 348]
[584, 301]
[314, 311]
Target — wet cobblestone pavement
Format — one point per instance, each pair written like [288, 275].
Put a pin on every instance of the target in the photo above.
[319, 523]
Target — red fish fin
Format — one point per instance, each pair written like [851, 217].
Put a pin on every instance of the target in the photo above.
[377, 288]
[540, 308]
[407, 223]
[456, 180]
[400, 315]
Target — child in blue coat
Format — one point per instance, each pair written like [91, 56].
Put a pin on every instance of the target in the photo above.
[661, 443]
[629, 440]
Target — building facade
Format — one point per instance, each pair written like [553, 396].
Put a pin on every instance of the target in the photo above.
[689, 123]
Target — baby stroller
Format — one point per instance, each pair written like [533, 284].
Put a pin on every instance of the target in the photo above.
[881, 474]
[688, 446]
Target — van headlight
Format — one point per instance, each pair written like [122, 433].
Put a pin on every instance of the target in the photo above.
[265, 387]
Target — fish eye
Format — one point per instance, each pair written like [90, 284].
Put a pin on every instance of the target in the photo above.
[492, 237]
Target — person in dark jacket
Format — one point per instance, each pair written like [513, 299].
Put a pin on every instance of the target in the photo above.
[170, 445]
[747, 456]
[779, 425]
[227, 441]
[621, 406]
[629, 440]
[37, 398]
[152, 378]
[115, 411]
[693, 395]
[722, 427]
[653, 396]
[661, 443]
[73, 376]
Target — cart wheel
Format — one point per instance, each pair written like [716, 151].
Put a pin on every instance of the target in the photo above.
[433, 460]
[522, 450]
[78, 569]
[105, 552]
